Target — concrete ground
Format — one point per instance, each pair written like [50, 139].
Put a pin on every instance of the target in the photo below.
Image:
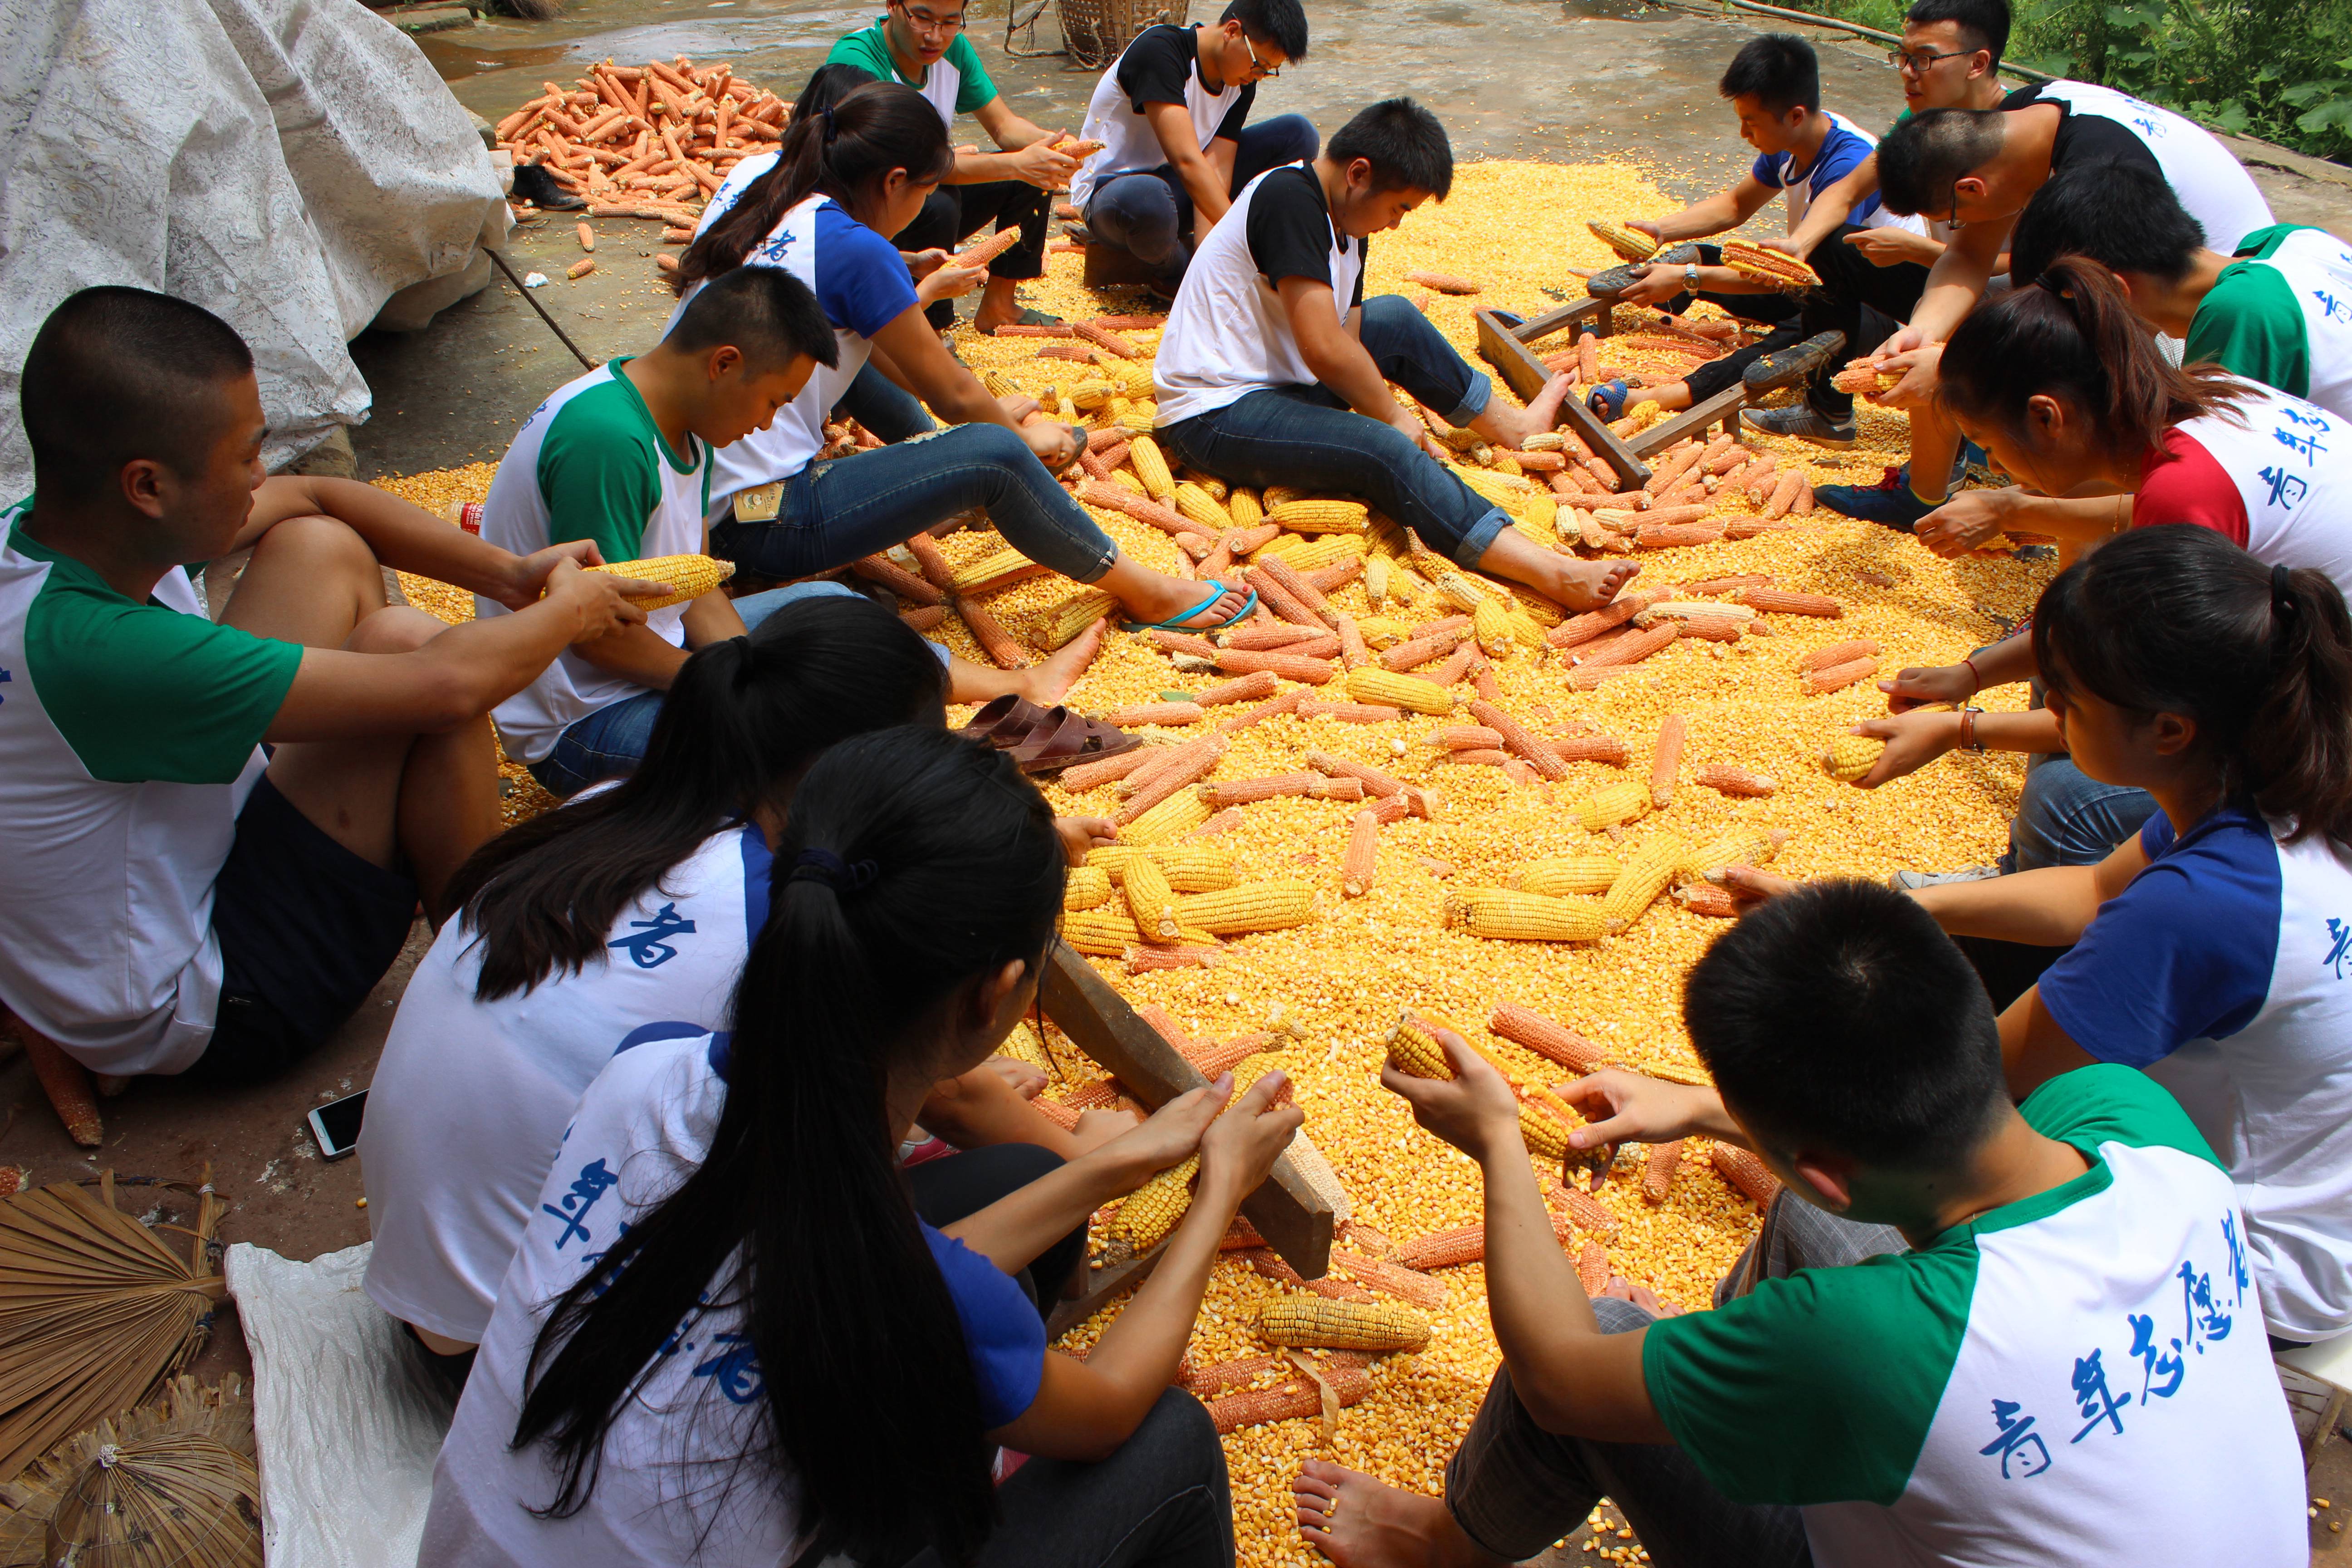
[1569, 80]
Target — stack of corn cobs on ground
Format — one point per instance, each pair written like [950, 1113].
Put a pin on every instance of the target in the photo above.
[650, 140]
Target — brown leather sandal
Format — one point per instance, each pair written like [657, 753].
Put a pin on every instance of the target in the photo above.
[1064, 737]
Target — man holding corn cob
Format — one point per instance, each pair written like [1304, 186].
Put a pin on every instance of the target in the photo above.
[1272, 351]
[1964, 1399]
[180, 901]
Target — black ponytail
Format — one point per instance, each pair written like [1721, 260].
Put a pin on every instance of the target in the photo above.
[744, 718]
[931, 862]
[2177, 619]
[2071, 334]
[844, 149]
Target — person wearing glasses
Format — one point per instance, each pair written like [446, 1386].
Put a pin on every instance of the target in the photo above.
[922, 44]
[1170, 113]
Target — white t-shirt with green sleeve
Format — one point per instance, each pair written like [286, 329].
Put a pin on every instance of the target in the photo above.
[2282, 314]
[590, 463]
[130, 738]
[2081, 1377]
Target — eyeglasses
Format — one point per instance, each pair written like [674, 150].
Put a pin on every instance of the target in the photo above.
[1917, 63]
[1256, 64]
[932, 24]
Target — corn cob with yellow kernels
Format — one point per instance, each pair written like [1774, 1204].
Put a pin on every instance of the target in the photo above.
[688, 577]
[1508, 915]
[1150, 1212]
[1150, 900]
[1102, 932]
[1417, 1053]
[1320, 516]
[1850, 756]
[1544, 1134]
[1378, 1326]
[1203, 508]
[1085, 887]
[1562, 875]
[1645, 876]
[1252, 907]
[1613, 805]
[1490, 624]
[1171, 818]
[1023, 1045]
[1151, 468]
[1631, 244]
[1368, 684]
[1189, 868]
[1076, 614]
[997, 569]
[1737, 845]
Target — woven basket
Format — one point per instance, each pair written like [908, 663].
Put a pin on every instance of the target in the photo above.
[1096, 30]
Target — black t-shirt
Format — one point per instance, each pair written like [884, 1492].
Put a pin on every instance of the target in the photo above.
[1290, 233]
[1158, 63]
[2085, 138]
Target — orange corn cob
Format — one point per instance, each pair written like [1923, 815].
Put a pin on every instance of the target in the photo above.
[1838, 677]
[1667, 759]
[1678, 535]
[925, 618]
[1002, 649]
[1438, 628]
[1588, 359]
[1478, 757]
[1423, 650]
[1748, 1173]
[1522, 741]
[1055, 1112]
[1166, 714]
[931, 562]
[896, 578]
[1839, 653]
[1159, 761]
[1105, 340]
[1375, 782]
[1714, 628]
[988, 249]
[1287, 703]
[1261, 638]
[1277, 598]
[1363, 845]
[1307, 593]
[1269, 1264]
[1127, 323]
[1554, 1042]
[1190, 642]
[1606, 749]
[1468, 738]
[1212, 1058]
[1240, 1234]
[1166, 782]
[1587, 1211]
[1352, 651]
[1299, 1399]
[1784, 493]
[1445, 1248]
[1658, 1172]
[1751, 527]
[1463, 661]
[1713, 587]
[1225, 1376]
[1350, 713]
[1288, 666]
[1631, 647]
[1140, 507]
[1707, 899]
[1146, 960]
[67, 1084]
[1785, 601]
[1250, 688]
[1584, 629]
[1246, 792]
[1736, 781]
[1443, 282]
[1592, 1268]
[1166, 1027]
[1391, 1278]
[1332, 578]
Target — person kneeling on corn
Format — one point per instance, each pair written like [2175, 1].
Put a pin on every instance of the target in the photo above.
[178, 900]
[728, 1338]
[822, 208]
[1271, 350]
[1966, 1401]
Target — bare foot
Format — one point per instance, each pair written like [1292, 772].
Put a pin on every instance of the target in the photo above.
[1589, 585]
[1511, 427]
[1359, 1522]
[1046, 682]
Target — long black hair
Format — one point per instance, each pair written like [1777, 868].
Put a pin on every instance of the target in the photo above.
[845, 150]
[939, 865]
[2177, 619]
[742, 720]
[2071, 334]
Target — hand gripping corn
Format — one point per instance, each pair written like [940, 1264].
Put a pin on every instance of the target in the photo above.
[688, 577]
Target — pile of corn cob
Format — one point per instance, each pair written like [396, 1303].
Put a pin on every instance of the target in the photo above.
[1301, 920]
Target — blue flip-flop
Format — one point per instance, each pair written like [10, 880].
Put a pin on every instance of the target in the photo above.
[1249, 608]
[1608, 400]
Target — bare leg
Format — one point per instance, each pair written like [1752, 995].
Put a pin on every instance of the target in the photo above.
[1935, 442]
[1359, 1522]
[997, 306]
[1508, 426]
[1150, 595]
[1673, 396]
[1043, 683]
[1573, 583]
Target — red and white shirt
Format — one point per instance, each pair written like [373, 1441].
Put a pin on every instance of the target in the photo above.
[2271, 473]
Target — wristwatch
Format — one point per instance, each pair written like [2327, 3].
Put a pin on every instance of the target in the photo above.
[1690, 275]
[1968, 727]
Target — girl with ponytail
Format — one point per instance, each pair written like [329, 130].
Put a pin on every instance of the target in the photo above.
[2214, 947]
[823, 207]
[633, 906]
[728, 1337]
[2063, 386]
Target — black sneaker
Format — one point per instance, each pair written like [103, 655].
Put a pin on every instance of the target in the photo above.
[1792, 364]
[1804, 422]
[1611, 281]
[537, 187]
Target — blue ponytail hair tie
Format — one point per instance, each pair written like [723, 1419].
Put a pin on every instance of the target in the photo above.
[824, 866]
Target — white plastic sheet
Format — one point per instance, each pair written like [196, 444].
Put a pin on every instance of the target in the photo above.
[288, 165]
[346, 1416]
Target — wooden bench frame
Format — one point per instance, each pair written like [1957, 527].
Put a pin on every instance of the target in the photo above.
[1505, 348]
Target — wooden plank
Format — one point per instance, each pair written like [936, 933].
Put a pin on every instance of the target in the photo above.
[1724, 405]
[1295, 1222]
[1500, 346]
[1102, 1284]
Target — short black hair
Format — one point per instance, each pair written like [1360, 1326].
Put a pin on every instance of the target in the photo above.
[1983, 24]
[2127, 219]
[1780, 69]
[765, 312]
[1923, 156]
[1404, 143]
[1843, 1019]
[1281, 22]
[117, 374]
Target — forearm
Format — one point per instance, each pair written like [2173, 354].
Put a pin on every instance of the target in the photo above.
[2048, 908]
[980, 169]
[1713, 215]
[1209, 190]
[2033, 731]
[1016, 1229]
[1140, 1352]
[712, 618]
[2085, 521]
[1955, 284]
[402, 535]
[2004, 663]
[635, 654]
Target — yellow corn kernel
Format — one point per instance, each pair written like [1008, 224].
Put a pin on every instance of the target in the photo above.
[1320, 516]
[1151, 468]
[1141, 418]
[1189, 868]
[1216, 488]
[1023, 1045]
[1122, 478]
[1508, 915]
[1630, 243]
[1505, 490]
[999, 384]
[1645, 876]
[1612, 804]
[689, 577]
[1370, 683]
[1310, 1320]
[1462, 593]
[1562, 875]
[1203, 508]
[1150, 1212]
[993, 570]
[1085, 887]
[1375, 581]
[1850, 756]
[1092, 393]
[1545, 1137]
[1150, 900]
[1251, 907]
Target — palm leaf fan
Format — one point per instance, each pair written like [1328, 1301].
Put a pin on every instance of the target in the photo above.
[95, 1310]
[169, 1485]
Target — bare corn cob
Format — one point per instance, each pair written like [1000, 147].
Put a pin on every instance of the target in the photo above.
[1606, 749]
[1249, 792]
[1366, 684]
[1378, 1326]
[1391, 1278]
[1745, 1171]
[1838, 677]
[1707, 899]
[1554, 1042]
[1053, 1110]
[1250, 688]
[1002, 649]
[1352, 651]
[1679, 535]
[1103, 338]
[1445, 1248]
[1295, 666]
[1505, 914]
[1281, 574]
[881, 569]
[1093, 776]
[1645, 876]
[1850, 756]
[1086, 888]
[1631, 647]
[1584, 629]
[1287, 703]
[1592, 1268]
[1614, 805]
[1150, 1212]
[1733, 780]
[1521, 740]
[1480, 757]
[1586, 1210]
[1444, 282]
[1375, 782]
[924, 617]
[1666, 760]
[1350, 713]
[688, 577]
[1468, 738]
[1297, 1399]
[1564, 874]
[1147, 960]
[1839, 653]
[1262, 637]
[1167, 784]
[1252, 907]
[1659, 1170]
[1270, 1265]
[1174, 715]
[1363, 848]
[1279, 596]
[1787, 602]
[1426, 649]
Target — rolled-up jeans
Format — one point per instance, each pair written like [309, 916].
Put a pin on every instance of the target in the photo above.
[837, 510]
[1306, 435]
[610, 743]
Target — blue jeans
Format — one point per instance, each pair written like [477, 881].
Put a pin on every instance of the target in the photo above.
[836, 511]
[2066, 817]
[886, 409]
[1148, 213]
[611, 741]
[1309, 437]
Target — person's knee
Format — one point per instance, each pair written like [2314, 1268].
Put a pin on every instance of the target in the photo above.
[316, 545]
[1385, 313]
[1296, 136]
[1182, 1437]
[394, 629]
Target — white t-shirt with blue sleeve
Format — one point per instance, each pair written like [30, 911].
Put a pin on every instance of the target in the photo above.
[2224, 971]
[863, 285]
[661, 1497]
[1842, 152]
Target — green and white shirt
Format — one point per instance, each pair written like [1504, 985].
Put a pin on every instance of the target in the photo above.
[590, 463]
[956, 84]
[129, 737]
[2080, 1377]
[2282, 314]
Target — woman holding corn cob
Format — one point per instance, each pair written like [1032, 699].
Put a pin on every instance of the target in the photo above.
[823, 207]
[756, 1352]
[2211, 948]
